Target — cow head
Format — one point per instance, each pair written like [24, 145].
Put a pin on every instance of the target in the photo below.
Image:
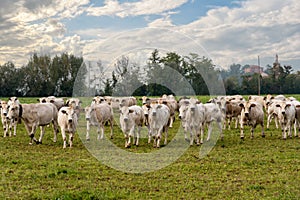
[88, 112]
[71, 114]
[182, 110]
[14, 111]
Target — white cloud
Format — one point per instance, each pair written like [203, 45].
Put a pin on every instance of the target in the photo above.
[229, 35]
[255, 28]
[29, 26]
[143, 7]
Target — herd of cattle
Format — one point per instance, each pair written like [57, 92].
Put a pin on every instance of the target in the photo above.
[157, 114]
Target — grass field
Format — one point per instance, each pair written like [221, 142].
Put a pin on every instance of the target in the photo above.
[259, 168]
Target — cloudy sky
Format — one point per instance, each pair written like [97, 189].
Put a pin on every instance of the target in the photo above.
[231, 31]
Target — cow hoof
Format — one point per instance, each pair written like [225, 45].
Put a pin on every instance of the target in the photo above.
[284, 138]
[242, 138]
[263, 136]
[88, 139]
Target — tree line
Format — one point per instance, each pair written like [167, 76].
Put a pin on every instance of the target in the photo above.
[171, 73]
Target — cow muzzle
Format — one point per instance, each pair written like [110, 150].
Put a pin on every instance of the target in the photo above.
[247, 114]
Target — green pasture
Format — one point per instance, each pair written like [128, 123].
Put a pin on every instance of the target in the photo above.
[259, 168]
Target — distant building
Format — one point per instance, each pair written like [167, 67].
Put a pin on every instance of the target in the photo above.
[255, 69]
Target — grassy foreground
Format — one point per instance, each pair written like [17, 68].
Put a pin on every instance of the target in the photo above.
[261, 168]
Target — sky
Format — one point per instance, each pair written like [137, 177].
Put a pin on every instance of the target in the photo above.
[226, 31]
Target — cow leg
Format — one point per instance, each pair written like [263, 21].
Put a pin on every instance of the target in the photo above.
[289, 129]
[202, 133]
[262, 129]
[283, 132]
[242, 131]
[55, 130]
[102, 132]
[209, 131]
[10, 126]
[111, 129]
[158, 140]
[295, 128]
[220, 128]
[269, 120]
[237, 121]
[276, 122]
[5, 129]
[229, 123]
[71, 139]
[191, 137]
[42, 134]
[252, 131]
[87, 136]
[138, 135]
[149, 136]
[15, 129]
[171, 121]
[126, 140]
[197, 136]
[166, 135]
[154, 141]
[63, 134]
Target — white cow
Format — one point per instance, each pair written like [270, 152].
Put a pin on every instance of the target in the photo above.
[273, 112]
[58, 102]
[252, 114]
[297, 118]
[212, 113]
[67, 121]
[97, 100]
[34, 115]
[159, 115]
[126, 101]
[195, 120]
[98, 115]
[183, 107]
[4, 119]
[76, 104]
[131, 118]
[286, 117]
[14, 121]
[91, 120]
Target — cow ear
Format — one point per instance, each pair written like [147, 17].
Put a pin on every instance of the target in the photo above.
[67, 102]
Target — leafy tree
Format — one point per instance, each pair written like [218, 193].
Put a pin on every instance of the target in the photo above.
[9, 80]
